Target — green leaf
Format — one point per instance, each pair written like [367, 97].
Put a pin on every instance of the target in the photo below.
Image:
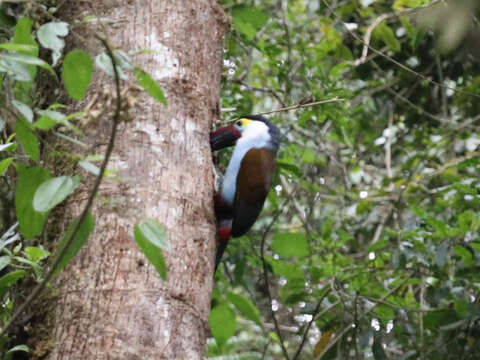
[4, 164]
[222, 323]
[378, 245]
[28, 139]
[7, 147]
[248, 19]
[464, 254]
[435, 319]
[49, 36]
[104, 62]
[79, 240]
[49, 117]
[290, 244]
[386, 34]
[16, 70]
[36, 254]
[246, 307]
[150, 237]
[154, 232]
[24, 36]
[9, 354]
[467, 221]
[88, 166]
[385, 313]
[150, 85]
[45, 123]
[30, 221]
[8, 280]
[287, 270]
[77, 73]
[289, 167]
[53, 191]
[18, 47]
[23, 109]
[26, 59]
[400, 4]
[4, 261]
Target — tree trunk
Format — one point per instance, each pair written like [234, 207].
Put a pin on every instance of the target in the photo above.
[111, 302]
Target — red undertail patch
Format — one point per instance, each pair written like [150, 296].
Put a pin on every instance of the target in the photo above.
[224, 233]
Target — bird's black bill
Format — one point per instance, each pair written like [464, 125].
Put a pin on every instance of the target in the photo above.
[224, 137]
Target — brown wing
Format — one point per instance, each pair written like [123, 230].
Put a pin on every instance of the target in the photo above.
[253, 183]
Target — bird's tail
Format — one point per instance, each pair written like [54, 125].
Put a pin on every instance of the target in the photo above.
[223, 237]
[222, 245]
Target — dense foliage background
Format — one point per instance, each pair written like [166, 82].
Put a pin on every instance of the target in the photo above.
[370, 235]
[368, 246]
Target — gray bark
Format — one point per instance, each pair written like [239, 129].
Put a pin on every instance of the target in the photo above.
[111, 304]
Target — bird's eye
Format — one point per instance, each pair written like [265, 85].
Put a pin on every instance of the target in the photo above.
[239, 123]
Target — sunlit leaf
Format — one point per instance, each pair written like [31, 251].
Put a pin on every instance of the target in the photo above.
[9, 354]
[151, 239]
[88, 166]
[50, 35]
[36, 254]
[25, 59]
[4, 164]
[53, 191]
[24, 110]
[18, 47]
[4, 261]
[150, 85]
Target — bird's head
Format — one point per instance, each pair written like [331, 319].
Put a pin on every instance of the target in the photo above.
[249, 127]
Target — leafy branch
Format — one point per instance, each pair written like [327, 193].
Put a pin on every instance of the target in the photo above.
[61, 256]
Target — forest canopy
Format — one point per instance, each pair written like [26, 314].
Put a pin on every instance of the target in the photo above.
[370, 236]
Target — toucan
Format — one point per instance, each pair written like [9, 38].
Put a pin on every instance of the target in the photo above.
[248, 176]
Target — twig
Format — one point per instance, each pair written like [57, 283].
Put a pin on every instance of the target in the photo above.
[388, 150]
[366, 39]
[422, 305]
[378, 21]
[418, 108]
[314, 316]
[116, 120]
[349, 326]
[260, 89]
[266, 277]
[294, 107]
[442, 91]
[399, 64]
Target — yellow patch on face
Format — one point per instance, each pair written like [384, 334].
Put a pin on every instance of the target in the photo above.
[244, 122]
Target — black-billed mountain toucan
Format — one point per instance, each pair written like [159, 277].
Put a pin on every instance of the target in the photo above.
[248, 177]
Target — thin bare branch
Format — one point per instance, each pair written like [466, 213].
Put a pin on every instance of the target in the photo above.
[366, 39]
[314, 316]
[266, 276]
[298, 106]
[352, 324]
[399, 64]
